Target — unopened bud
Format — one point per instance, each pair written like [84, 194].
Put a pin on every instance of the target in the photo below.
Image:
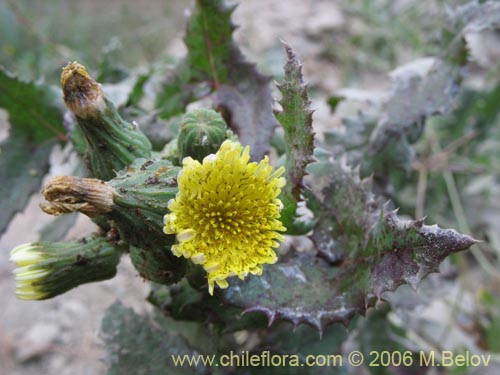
[46, 270]
[202, 133]
[83, 96]
[112, 143]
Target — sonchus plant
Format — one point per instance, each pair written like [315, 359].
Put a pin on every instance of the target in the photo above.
[205, 218]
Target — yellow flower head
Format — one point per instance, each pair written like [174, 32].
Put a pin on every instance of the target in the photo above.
[226, 213]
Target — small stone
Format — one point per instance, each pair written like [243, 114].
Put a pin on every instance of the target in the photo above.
[36, 341]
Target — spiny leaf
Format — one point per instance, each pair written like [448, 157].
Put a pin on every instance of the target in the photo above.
[209, 41]
[414, 98]
[36, 125]
[213, 57]
[380, 140]
[247, 99]
[183, 302]
[412, 101]
[368, 250]
[240, 88]
[296, 119]
[138, 345]
[367, 235]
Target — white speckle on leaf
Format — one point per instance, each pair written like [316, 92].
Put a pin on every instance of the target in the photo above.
[293, 272]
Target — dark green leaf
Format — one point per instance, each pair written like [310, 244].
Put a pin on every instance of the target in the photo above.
[368, 250]
[213, 59]
[177, 92]
[296, 120]
[209, 40]
[378, 334]
[183, 302]
[36, 125]
[412, 101]
[301, 343]
[414, 98]
[137, 345]
[248, 101]
[137, 92]
[333, 101]
[111, 71]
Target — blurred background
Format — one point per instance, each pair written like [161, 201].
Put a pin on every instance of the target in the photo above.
[348, 48]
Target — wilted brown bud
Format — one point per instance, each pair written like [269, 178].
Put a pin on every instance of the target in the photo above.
[83, 96]
[67, 194]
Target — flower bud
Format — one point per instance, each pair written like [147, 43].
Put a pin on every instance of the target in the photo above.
[67, 194]
[133, 205]
[83, 96]
[202, 133]
[112, 142]
[46, 270]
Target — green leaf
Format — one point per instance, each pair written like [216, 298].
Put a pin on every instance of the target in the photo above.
[412, 101]
[377, 334]
[296, 119]
[248, 101]
[110, 70]
[36, 125]
[176, 92]
[300, 343]
[138, 345]
[209, 42]
[381, 139]
[240, 91]
[184, 302]
[385, 248]
[137, 92]
[366, 250]
[382, 143]
[333, 101]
